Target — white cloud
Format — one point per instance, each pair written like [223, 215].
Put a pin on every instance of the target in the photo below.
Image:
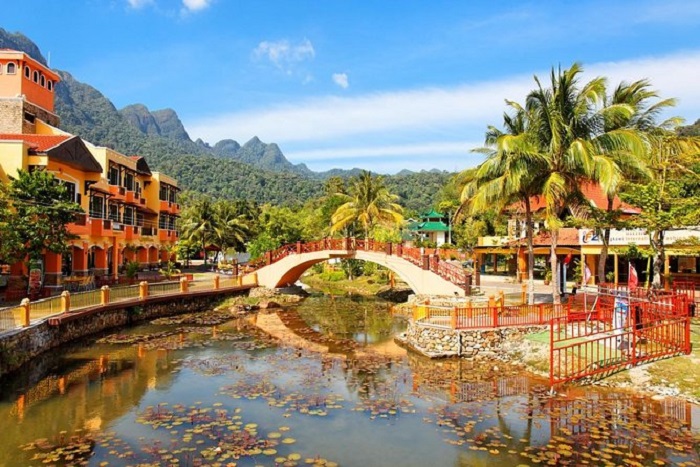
[456, 113]
[195, 5]
[285, 55]
[138, 4]
[341, 79]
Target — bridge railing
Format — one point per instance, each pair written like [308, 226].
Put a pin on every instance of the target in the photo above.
[418, 256]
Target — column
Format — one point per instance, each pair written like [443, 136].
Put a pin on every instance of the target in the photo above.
[52, 269]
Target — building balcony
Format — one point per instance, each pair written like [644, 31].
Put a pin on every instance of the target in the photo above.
[80, 226]
[118, 192]
[100, 227]
[167, 235]
[132, 232]
[149, 231]
[169, 207]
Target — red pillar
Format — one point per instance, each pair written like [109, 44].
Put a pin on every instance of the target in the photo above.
[52, 268]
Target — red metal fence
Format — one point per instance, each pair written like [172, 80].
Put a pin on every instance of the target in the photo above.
[598, 342]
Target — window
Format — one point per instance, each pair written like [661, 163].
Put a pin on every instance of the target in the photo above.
[49, 85]
[162, 222]
[27, 72]
[11, 68]
[163, 194]
[114, 212]
[129, 216]
[129, 181]
[70, 188]
[114, 178]
[97, 204]
[43, 81]
[29, 117]
[36, 76]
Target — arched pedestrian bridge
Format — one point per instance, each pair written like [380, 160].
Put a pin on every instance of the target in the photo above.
[424, 274]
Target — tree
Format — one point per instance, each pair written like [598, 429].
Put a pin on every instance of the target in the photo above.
[508, 175]
[41, 209]
[672, 200]
[566, 122]
[230, 227]
[624, 166]
[369, 204]
[199, 222]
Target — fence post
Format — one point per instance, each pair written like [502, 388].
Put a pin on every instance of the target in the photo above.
[298, 248]
[688, 347]
[104, 295]
[184, 285]
[26, 310]
[65, 301]
[387, 248]
[268, 257]
[143, 290]
[493, 309]
[240, 281]
[216, 282]
[469, 308]
[540, 311]
[523, 294]
[502, 299]
[454, 317]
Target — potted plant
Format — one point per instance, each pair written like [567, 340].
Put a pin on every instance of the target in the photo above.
[610, 276]
[169, 271]
[131, 270]
[547, 276]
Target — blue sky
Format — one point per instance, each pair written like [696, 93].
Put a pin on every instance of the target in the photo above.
[381, 85]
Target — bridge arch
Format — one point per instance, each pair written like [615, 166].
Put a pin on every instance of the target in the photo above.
[294, 262]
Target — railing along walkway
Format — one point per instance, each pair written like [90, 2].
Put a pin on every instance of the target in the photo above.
[28, 313]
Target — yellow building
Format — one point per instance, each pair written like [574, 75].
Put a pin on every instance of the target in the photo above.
[129, 211]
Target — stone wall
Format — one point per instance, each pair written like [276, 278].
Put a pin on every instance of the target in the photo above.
[12, 119]
[20, 346]
[437, 342]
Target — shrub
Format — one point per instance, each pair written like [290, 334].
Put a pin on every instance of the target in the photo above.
[332, 276]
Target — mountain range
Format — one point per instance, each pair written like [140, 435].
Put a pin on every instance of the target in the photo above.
[255, 170]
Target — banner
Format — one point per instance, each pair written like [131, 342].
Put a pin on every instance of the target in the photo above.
[633, 280]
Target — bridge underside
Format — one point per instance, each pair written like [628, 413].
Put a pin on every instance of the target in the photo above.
[289, 269]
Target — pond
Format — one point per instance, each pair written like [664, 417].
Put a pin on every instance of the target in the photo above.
[176, 392]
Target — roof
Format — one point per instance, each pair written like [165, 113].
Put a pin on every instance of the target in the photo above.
[430, 227]
[40, 143]
[593, 192]
[432, 214]
[568, 236]
[67, 149]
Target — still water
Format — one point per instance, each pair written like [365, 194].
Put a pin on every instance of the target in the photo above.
[183, 393]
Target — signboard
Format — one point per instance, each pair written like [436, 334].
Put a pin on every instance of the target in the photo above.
[626, 236]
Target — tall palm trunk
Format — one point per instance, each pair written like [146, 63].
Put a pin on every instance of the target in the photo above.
[606, 243]
[529, 233]
[657, 241]
[556, 297]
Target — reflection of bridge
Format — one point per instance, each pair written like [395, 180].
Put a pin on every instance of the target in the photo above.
[425, 274]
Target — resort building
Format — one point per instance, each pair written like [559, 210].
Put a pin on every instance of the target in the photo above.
[583, 246]
[432, 227]
[129, 212]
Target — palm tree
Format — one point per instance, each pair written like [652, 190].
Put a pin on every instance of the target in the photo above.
[230, 228]
[625, 166]
[507, 176]
[199, 222]
[369, 204]
[566, 122]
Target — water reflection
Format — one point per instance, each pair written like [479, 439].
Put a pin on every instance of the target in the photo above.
[230, 387]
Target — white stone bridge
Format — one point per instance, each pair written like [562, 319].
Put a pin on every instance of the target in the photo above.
[424, 274]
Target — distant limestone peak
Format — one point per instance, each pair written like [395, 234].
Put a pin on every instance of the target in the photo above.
[163, 122]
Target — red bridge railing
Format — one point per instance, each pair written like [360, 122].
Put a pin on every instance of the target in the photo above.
[451, 272]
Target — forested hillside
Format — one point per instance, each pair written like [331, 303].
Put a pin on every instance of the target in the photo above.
[255, 171]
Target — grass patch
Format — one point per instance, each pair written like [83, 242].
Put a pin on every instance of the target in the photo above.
[683, 371]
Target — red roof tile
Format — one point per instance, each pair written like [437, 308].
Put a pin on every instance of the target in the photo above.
[594, 193]
[40, 143]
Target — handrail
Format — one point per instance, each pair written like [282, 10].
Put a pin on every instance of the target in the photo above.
[418, 256]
